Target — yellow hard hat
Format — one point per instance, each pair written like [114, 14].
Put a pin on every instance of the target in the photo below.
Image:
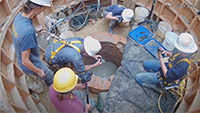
[64, 80]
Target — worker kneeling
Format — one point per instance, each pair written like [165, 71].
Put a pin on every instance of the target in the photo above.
[117, 14]
[62, 52]
[166, 74]
[62, 95]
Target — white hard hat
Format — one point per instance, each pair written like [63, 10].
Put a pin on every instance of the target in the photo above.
[185, 43]
[127, 14]
[42, 2]
[91, 46]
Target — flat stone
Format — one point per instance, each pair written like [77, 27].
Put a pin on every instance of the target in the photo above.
[126, 95]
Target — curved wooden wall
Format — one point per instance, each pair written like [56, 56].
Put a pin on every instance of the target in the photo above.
[14, 94]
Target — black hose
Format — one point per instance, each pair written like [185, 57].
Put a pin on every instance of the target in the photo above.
[69, 16]
[84, 22]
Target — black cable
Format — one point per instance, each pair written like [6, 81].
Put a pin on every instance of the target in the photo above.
[85, 20]
[69, 16]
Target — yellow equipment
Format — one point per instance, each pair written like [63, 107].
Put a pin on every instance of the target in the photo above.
[64, 80]
[64, 43]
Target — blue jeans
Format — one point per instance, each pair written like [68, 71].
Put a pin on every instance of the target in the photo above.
[82, 96]
[149, 78]
[49, 74]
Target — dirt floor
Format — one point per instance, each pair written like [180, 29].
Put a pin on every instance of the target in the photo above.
[99, 26]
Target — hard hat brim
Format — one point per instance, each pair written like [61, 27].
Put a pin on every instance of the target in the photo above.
[68, 89]
[91, 45]
[86, 47]
[42, 4]
[124, 14]
[64, 80]
[186, 50]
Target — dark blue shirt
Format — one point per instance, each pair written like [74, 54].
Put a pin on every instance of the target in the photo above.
[67, 54]
[178, 70]
[116, 9]
[24, 38]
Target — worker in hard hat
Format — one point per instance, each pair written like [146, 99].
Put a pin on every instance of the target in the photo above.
[25, 42]
[117, 14]
[61, 95]
[61, 53]
[167, 73]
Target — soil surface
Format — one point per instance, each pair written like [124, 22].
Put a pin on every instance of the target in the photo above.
[101, 25]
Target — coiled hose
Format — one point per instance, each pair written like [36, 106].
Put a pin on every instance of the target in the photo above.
[78, 21]
[181, 89]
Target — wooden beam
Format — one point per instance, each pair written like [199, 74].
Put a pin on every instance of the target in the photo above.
[133, 4]
[129, 4]
[114, 2]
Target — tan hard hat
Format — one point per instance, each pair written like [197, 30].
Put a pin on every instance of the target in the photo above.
[91, 46]
[185, 43]
[127, 14]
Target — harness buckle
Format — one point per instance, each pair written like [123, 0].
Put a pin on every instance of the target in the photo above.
[164, 85]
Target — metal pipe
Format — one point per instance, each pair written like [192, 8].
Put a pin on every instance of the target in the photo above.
[98, 5]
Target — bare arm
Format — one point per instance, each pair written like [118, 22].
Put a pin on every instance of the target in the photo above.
[111, 17]
[166, 53]
[162, 64]
[88, 107]
[169, 54]
[89, 67]
[26, 62]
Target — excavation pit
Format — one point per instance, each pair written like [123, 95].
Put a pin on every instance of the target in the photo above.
[112, 56]
[112, 52]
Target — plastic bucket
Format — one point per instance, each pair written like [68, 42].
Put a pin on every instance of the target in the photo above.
[170, 38]
[163, 28]
[62, 27]
[141, 14]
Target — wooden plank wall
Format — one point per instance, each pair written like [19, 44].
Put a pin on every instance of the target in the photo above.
[181, 14]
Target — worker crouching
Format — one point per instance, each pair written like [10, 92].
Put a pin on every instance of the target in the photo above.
[117, 14]
[166, 74]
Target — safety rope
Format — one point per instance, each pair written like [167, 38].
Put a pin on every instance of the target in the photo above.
[181, 89]
[159, 102]
[197, 68]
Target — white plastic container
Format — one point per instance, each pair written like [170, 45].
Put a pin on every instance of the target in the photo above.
[163, 28]
[62, 27]
[170, 38]
[141, 14]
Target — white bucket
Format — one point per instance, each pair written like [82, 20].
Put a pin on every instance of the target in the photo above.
[163, 28]
[141, 14]
[62, 27]
[170, 38]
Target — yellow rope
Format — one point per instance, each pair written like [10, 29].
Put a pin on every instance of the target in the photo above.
[181, 90]
[196, 76]
[159, 102]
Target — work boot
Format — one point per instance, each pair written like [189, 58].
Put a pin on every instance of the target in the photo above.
[111, 25]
